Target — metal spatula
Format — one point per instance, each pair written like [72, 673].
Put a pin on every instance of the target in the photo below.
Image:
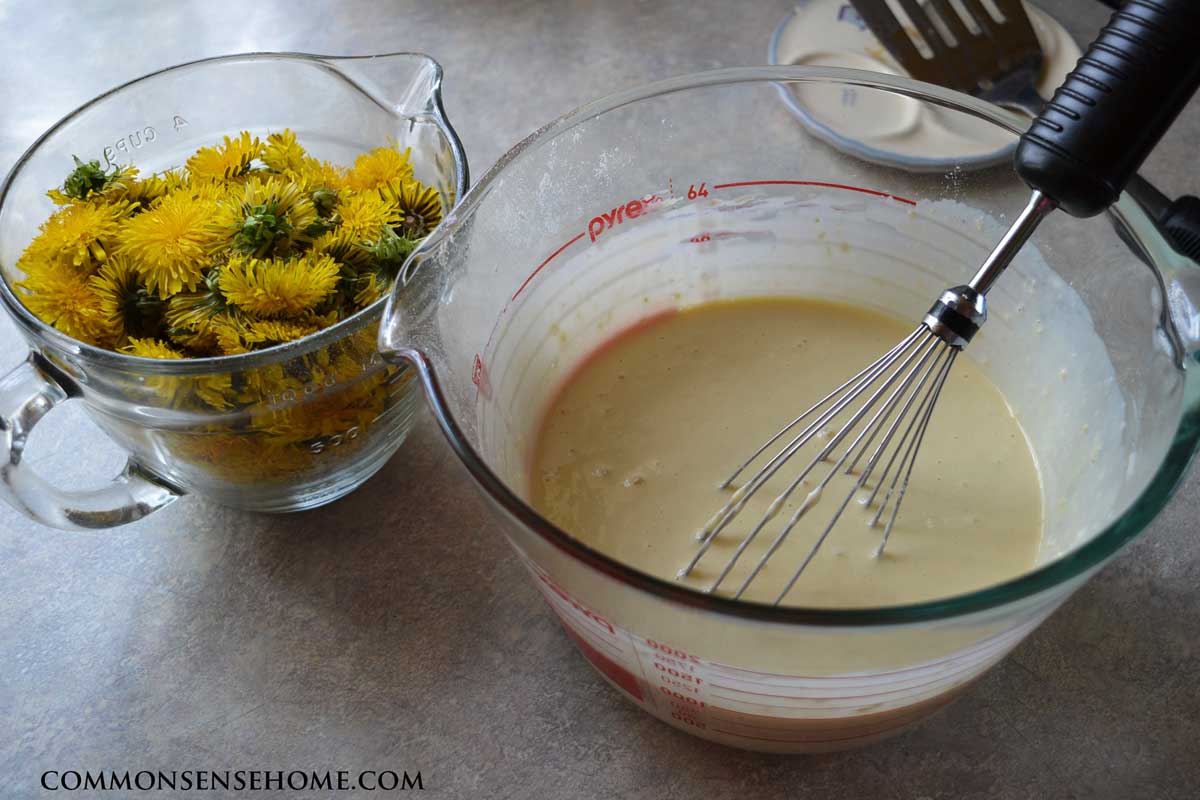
[963, 45]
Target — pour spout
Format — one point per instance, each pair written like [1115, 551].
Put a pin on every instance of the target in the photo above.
[407, 84]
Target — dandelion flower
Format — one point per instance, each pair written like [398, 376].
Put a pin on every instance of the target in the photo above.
[270, 217]
[191, 317]
[58, 294]
[420, 207]
[315, 174]
[278, 287]
[229, 331]
[144, 192]
[368, 290]
[282, 153]
[213, 191]
[277, 331]
[229, 160]
[242, 334]
[213, 390]
[380, 167]
[195, 311]
[89, 180]
[169, 244]
[82, 233]
[363, 214]
[344, 248]
[126, 304]
[244, 457]
[390, 251]
[197, 344]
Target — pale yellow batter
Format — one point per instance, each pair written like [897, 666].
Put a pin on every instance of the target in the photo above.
[637, 440]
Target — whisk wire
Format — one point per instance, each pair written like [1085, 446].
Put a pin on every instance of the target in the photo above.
[942, 361]
[743, 495]
[916, 445]
[868, 434]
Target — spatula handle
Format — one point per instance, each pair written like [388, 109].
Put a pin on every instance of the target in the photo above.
[1116, 104]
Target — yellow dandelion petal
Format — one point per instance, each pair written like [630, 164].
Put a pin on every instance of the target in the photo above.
[229, 160]
[278, 287]
[169, 244]
[379, 167]
[60, 199]
[363, 214]
[58, 294]
[150, 348]
[282, 153]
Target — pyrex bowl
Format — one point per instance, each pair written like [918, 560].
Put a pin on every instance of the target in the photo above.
[703, 188]
[281, 429]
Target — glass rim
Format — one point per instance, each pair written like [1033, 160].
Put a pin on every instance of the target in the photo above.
[1065, 567]
[243, 361]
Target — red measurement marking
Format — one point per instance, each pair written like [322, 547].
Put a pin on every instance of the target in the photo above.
[542, 265]
[815, 183]
[609, 668]
[582, 609]
[479, 377]
[638, 207]
[704, 237]
[622, 213]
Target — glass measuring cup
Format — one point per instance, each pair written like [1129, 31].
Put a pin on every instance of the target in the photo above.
[703, 188]
[281, 429]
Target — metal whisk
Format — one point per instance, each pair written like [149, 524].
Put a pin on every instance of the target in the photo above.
[896, 395]
[1077, 155]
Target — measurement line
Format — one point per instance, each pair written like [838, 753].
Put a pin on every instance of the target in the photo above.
[553, 255]
[815, 183]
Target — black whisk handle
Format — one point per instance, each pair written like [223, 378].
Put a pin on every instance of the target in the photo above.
[1116, 104]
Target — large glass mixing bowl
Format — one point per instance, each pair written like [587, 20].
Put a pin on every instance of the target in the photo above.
[703, 188]
[280, 429]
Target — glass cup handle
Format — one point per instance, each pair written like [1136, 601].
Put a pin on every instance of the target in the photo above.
[27, 394]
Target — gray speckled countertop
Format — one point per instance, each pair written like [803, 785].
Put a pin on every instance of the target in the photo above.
[393, 629]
